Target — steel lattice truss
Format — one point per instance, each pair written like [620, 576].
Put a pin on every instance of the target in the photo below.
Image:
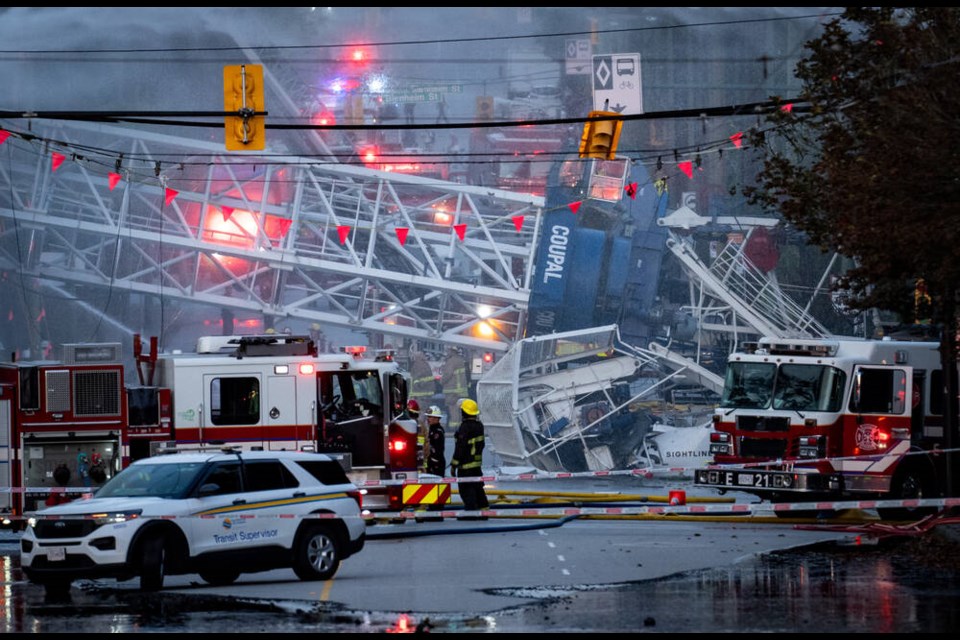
[263, 233]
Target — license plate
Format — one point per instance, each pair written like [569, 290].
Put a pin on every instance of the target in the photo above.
[57, 554]
[746, 479]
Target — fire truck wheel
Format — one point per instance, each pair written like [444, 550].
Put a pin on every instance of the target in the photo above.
[220, 577]
[317, 553]
[153, 563]
[908, 484]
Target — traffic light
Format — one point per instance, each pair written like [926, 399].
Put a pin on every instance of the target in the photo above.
[484, 107]
[243, 96]
[600, 137]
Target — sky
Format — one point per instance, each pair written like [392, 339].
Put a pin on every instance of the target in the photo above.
[57, 58]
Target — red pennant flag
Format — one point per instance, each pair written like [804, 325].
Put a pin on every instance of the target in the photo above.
[58, 159]
[227, 212]
[575, 206]
[114, 179]
[344, 231]
[402, 234]
[687, 168]
[518, 222]
[461, 230]
[3, 136]
[787, 108]
[737, 139]
[171, 194]
[631, 190]
[284, 226]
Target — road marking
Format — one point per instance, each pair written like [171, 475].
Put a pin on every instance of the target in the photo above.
[325, 594]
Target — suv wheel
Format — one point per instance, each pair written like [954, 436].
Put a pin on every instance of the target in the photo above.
[220, 577]
[153, 563]
[317, 556]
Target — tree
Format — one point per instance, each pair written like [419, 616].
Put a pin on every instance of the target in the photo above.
[865, 163]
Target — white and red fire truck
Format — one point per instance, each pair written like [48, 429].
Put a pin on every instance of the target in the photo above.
[275, 392]
[266, 392]
[817, 419]
[63, 427]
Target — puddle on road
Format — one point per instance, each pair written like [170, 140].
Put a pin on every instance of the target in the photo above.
[903, 586]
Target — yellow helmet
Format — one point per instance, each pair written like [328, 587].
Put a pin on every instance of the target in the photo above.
[470, 407]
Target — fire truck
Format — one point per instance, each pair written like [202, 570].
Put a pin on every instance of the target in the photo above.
[63, 427]
[275, 392]
[818, 419]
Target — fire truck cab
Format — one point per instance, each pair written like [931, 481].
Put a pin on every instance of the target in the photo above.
[275, 392]
[804, 420]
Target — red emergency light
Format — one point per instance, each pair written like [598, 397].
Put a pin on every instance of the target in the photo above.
[306, 369]
[355, 351]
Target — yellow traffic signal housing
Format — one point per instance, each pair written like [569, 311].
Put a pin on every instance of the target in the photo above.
[600, 137]
[484, 107]
[243, 96]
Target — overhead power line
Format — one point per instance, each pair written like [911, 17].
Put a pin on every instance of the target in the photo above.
[155, 117]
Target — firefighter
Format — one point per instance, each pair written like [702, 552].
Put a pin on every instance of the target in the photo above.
[436, 460]
[424, 382]
[454, 378]
[467, 456]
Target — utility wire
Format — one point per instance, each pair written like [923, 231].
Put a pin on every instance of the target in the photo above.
[151, 117]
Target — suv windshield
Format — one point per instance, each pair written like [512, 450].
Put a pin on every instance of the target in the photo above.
[166, 480]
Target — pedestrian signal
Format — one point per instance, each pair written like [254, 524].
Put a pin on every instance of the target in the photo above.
[600, 137]
[485, 108]
[243, 99]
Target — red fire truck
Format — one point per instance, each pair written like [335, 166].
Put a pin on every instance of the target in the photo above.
[63, 427]
[803, 420]
[276, 392]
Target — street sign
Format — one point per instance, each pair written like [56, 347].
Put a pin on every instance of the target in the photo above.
[578, 57]
[411, 97]
[423, 93]
[616, 83]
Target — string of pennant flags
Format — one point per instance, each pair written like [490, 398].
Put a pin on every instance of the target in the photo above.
[686, 167]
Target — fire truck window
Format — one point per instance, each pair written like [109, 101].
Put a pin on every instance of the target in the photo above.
[29, 388]
[398, 394]
[366, 390]
[748, 385]
[804, 387]
[878, 391]
[326, 471]
[234, 401]
[268, 475]
[226, 477]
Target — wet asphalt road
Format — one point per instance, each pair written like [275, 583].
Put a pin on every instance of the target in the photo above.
[903, 586]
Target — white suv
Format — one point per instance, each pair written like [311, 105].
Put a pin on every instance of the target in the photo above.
[216, 514]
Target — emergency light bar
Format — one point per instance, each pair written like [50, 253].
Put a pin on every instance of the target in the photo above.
[355, 351]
